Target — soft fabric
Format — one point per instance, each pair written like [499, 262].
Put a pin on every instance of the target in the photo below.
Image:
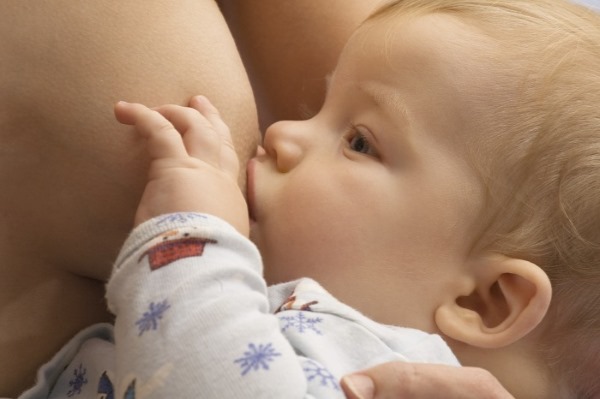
[195, 319]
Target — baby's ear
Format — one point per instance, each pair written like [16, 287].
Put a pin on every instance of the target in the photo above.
[510, 297]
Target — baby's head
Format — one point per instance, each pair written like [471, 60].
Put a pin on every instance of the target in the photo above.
[451, 182]
[541, 164]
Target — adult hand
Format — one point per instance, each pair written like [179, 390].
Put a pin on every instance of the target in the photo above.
[398, 380]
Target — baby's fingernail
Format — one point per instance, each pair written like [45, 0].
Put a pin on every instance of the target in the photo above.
[361, 386]
[201, 99]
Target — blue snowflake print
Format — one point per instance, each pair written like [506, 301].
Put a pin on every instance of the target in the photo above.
[257, 357]
[105, 387]
[301, 323]
[149, 321]
[78, 381]
[130, 392]
[314, 371]
[179, 218]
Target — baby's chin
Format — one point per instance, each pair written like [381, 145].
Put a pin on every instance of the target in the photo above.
[255, 237]
[274, 262]
[270, 275]
[274, 276]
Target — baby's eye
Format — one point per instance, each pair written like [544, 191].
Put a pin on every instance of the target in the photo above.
[358, 142]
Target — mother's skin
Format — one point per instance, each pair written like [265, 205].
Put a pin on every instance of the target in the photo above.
[71, 177]
[289, 47]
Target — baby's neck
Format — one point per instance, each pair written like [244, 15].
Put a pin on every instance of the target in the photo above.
[41, 307]
[517, 368]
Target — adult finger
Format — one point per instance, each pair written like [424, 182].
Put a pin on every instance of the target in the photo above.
[399, 380]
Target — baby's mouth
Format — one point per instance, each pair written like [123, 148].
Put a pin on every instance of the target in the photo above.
[260, 151]
[250, 181]
[250, 189]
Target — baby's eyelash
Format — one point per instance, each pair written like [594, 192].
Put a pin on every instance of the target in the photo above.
[358, 141]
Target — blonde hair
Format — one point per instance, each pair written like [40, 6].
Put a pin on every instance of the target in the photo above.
[542, 171]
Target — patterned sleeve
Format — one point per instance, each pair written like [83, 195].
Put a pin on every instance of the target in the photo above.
[192, 316]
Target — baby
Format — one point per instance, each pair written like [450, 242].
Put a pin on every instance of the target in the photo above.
[449, 185]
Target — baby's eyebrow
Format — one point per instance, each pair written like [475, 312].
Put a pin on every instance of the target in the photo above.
[386, 99]
[382, 96]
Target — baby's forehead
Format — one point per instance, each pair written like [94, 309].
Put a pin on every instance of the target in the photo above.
[423, 40]
[436, 48]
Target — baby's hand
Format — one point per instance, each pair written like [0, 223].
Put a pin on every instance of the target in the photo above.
[194, 167]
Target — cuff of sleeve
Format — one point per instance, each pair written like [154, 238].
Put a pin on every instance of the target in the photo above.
[164, 223]
[140, 243]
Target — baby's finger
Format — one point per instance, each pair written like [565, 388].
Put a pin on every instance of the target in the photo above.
[163, 140]
[200, 138]
[229, 159]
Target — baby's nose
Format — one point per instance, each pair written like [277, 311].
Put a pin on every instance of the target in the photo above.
[285, 143]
